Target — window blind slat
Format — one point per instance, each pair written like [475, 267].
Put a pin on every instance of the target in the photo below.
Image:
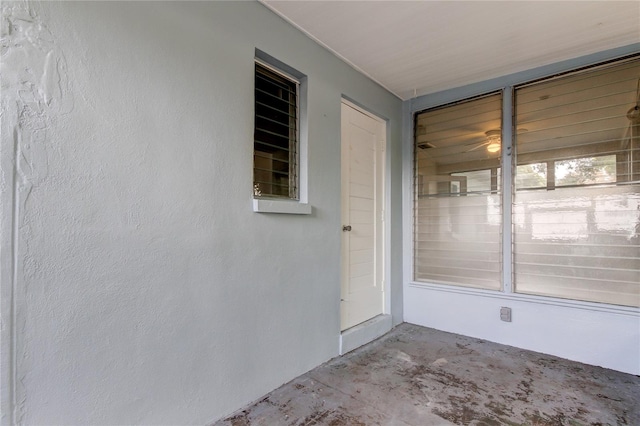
[288, 126]
[277, 98]
[264, 144]
[273, 171]
[260, 106]
[270, 157]
[468, 280]
[270, 81]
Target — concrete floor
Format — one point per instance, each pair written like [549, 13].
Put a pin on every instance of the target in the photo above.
[419, 376]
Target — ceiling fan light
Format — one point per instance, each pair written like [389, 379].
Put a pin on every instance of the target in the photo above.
[493, 137]
[493, 147]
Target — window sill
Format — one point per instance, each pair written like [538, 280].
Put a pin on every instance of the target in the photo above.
[280, 206]
[530, 298]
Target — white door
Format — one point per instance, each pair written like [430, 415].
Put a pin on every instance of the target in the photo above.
[363, 159]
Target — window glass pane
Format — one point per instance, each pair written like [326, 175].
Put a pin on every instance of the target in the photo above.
[275, 135]
[531, 176]
[577, 235]
[457, 201]
[586, 171]
[475, 182]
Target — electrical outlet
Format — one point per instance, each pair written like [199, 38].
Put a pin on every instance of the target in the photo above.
[505, 314]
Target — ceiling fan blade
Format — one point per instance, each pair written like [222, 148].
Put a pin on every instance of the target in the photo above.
[478, 146]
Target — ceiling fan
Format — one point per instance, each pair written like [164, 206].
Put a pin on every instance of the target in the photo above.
[491, 140]
[634, 112]
[492, 143]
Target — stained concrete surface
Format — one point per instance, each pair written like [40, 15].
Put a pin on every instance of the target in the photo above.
[420, 376]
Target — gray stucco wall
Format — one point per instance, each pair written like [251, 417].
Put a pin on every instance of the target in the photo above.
[138, 286]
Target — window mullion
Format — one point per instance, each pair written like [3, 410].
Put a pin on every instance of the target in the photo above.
[507, 188]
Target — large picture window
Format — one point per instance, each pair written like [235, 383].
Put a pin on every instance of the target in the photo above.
[573, 194]
[457, 214]
[577, 200]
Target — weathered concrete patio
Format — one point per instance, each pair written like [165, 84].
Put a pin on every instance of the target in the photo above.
[420, 376]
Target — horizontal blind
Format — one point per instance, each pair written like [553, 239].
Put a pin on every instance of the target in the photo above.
[457, 202]
[577, 187]
[275, 134]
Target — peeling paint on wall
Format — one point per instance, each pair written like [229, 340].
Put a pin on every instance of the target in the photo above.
[35, 90]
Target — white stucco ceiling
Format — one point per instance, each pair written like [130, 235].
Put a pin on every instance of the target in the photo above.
[417, 47]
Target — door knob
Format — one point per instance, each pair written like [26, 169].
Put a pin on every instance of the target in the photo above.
[346, 228]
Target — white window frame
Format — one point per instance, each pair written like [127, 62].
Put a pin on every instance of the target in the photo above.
[288, 205]
[451, 178]
[507, 85]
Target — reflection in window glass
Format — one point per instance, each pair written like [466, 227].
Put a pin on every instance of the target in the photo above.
[586, 171]
[549, 224]
[529, 176]
[477, 181]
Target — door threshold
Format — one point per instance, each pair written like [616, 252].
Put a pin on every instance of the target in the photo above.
[361, 334]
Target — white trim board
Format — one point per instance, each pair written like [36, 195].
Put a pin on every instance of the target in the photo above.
[281, 206]
[364, 333]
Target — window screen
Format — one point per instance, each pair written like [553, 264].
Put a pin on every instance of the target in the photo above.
[275, 135]
[457, 201]
[577, 199]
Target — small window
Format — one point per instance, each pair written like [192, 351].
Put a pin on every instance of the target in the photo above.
[276, 135]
